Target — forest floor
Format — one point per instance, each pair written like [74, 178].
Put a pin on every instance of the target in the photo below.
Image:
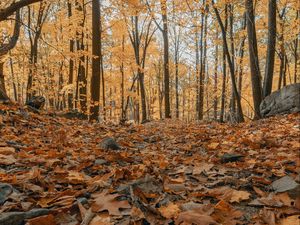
[52, 171]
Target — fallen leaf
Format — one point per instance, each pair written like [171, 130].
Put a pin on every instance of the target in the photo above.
[169, 211]
[45, 220]
[7, 159]
[291, 220]
[238, 196]
[7, 150]
[108, 202]
[268, 216]
[194, 217]
[213, 145]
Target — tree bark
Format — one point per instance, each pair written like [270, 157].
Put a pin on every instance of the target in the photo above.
[254, 63]
[269, 70]
[71, 65]
[34, 40]
[163, 4]
[241, 56]
[223, 95]
[216, 80]
[231, 21]
[95, 82]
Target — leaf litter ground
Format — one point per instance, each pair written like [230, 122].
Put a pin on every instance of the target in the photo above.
[54, 171]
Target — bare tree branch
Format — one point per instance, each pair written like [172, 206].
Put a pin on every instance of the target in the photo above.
[13, 40]
[15, 6]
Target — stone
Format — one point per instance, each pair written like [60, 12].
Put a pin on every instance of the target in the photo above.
[283, 184]
[99, 162]
[283, 101]
[18, 218]
[82, 200]
[5, 191]
[36, 102]
[36, 213]
[109, 143]
[230, 158]
[12, 218]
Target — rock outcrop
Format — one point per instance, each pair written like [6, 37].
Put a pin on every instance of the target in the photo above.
[283, 101]
[36, 102]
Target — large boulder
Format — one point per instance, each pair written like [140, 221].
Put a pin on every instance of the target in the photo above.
[283, 101]
[36, 102]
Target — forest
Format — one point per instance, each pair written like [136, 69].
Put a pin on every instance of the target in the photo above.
[149, 112]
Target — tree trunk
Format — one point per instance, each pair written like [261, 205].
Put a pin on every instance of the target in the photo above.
[216, 79]
[81, 78]
[176, 54]
[202, 68]
[123, 113]
[231, 21]
[34, 43]
[295, 53]
[269, 70]
[241, 56]
[223, 97]
[71, 65]
[240, 117]
[254, 62]
[95, 82]
[163, 4]
[13, 78]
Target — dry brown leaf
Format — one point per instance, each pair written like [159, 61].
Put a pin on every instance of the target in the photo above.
[194, 217]
[213, 145]
[291, 220]
[137, 214]
[7, 159]
[75, 177]
[268, 216]
[238, 196]
[169, 211]
[7, 150]
[45, 220]
[100, 220]
[203, 167]
[284, 198]
[108, 202]
[260, 192]
[225, 214]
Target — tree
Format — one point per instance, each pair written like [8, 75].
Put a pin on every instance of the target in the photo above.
[34, 36]
[95, 82]
[140, 35]
[240, 116]
[223, 95]
[254, 62]
[81, 86]
[203, 45]
[216, 78]
[15, 6]
[4, 14]
[164, 31]
[4, 49]
[71, 62]
[163, 5]
[269, 70]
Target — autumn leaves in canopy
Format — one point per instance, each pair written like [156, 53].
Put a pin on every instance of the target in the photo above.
[141, 60]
